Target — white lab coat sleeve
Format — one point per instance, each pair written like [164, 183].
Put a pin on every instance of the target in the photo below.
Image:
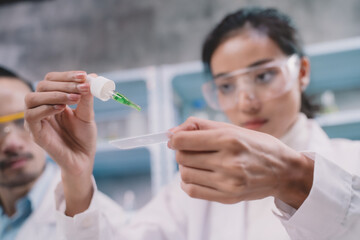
[162, 219]
[99, 221]
[332, 209]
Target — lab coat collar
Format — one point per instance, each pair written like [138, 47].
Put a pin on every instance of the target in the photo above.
[38, 191]
[299, 134]
[45, 213]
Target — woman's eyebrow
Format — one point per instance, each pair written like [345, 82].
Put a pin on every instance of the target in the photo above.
[260, 62]
[219, 75]
[257, 63]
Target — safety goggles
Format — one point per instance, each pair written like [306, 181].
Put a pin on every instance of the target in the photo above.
[260, 83]
[11, 122]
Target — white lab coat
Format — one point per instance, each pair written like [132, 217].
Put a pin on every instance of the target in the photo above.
[331, 211]
[42, 225]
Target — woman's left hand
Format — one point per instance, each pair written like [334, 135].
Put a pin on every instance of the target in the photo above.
[228, 164]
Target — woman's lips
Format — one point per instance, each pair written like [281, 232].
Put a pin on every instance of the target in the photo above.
[254, 124]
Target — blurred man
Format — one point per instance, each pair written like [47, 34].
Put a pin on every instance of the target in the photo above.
[27, 181]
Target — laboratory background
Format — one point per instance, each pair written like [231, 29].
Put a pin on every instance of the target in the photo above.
[151, 49]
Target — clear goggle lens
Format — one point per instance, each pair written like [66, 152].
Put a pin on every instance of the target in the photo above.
[10, 122]
[262, 83]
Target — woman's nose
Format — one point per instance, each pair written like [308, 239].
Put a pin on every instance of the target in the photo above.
[248, 102]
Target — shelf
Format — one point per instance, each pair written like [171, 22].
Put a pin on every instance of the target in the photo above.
[344, 124]
[110, 161]
[337, 71]
[346, 130]
[188, 86]
[339, 118]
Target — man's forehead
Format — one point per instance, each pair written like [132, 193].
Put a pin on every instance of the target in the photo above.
[12, 96]
[13, 85]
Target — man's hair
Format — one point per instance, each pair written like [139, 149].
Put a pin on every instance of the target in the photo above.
[7, 73]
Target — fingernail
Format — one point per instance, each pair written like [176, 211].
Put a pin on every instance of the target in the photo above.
[170, 133]
[172, 130]
[169, 145]
[83, 87]
[58, 107]
[79, 76]
[73, 97]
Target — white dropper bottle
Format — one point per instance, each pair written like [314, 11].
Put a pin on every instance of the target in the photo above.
[101, 87]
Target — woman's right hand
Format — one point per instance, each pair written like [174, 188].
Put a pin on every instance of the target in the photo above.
[228, 164]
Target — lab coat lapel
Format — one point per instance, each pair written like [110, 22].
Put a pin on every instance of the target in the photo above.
[42, 222]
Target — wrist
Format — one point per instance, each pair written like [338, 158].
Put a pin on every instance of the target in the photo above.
[297, 181]
[78, 193]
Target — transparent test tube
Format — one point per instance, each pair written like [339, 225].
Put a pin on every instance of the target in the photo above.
[123, 100]
[140, 141]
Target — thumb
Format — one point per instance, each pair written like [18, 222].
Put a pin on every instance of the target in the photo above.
[85, 108]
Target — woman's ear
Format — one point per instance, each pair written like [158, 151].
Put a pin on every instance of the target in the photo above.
[304, 73]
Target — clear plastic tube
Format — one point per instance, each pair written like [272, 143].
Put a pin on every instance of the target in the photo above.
[123, 100]
[140, 141]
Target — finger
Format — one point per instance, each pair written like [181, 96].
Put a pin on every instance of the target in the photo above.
[198, 177]
[205, 140]
[201, 160]
[34, 116]
[77, 76]
[67, 87]
[193, 123]
[36, 99]
[85, 108]
[206, 193]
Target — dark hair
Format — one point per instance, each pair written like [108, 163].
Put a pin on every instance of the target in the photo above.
[5, 72]
[276, 25]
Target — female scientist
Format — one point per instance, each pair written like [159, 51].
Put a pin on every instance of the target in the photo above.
[270, 151]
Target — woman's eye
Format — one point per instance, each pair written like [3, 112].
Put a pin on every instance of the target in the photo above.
[265, 77]
[226, 88]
